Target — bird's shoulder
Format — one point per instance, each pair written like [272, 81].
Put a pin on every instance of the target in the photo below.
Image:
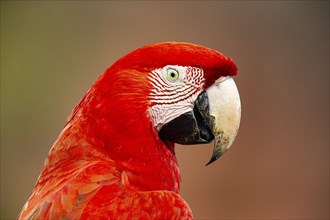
[99, 190]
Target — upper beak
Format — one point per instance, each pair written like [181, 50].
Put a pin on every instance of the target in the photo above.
[216, 115]
[225, 110]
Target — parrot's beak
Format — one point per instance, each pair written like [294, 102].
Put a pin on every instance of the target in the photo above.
[216, 116]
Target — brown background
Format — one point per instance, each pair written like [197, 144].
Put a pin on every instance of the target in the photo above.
[52, 51]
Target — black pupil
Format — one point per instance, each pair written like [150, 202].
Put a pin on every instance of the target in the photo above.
[173, 74]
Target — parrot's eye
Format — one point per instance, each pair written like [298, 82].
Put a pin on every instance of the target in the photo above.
[172, 75]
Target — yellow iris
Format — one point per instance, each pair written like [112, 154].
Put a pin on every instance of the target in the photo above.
[172, 75]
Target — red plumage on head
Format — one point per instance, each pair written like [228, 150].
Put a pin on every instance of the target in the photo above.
[154, 56]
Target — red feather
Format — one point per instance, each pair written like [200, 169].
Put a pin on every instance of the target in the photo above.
[108, 162]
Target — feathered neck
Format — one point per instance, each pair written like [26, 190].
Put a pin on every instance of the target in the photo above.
[112, 122]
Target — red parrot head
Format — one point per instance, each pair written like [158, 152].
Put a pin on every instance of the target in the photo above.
[183, 92]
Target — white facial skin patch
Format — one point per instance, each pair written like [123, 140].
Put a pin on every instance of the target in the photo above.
[175, 89]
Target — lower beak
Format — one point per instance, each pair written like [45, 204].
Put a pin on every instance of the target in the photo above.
[216, 116]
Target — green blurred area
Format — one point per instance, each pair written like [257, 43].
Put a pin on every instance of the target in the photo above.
[52, 52]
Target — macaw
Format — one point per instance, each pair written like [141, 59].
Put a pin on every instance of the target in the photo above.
[115, 158]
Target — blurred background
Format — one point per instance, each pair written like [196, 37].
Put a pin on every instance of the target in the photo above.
[278, 167]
